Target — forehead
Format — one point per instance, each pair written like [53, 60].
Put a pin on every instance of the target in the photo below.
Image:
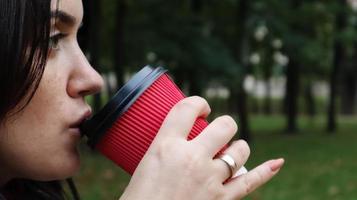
[72, 7]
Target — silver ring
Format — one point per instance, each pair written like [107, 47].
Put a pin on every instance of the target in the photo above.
[230, 163]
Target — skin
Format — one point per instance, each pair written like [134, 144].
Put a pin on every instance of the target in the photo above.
[40, 143]
[188, 169]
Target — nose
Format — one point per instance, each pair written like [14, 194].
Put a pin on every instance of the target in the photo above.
[84, 79]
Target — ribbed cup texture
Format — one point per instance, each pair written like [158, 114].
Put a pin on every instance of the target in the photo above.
[130, 136]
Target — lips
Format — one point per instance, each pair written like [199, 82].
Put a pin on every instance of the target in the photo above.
[81, 119]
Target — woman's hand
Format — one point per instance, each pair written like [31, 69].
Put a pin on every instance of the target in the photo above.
[174, 168]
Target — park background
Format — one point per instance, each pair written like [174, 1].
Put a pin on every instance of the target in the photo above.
[286, 70]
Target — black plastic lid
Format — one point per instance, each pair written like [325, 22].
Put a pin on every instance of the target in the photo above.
[95, 127]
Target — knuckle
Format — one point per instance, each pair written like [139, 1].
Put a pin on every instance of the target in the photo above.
[160, 150]
[185, 104]
[260, 176]
[251, 184]
[192, 164]
[248, 186]
[214, 191]
[197, 99]
[228, 122]
[192, 161]
[243, 148]
[192, 103]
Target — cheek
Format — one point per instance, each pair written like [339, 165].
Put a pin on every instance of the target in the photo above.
[36, 137]
[47, 113]
[37, 154]
[49, 101]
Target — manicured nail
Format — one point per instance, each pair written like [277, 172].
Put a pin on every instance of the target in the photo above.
[276, 164]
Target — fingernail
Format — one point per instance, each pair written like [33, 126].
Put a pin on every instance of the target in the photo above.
[276, 164]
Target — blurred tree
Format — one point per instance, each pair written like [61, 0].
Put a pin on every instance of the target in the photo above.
[284, 21]
[262, 38]
[349, 87]
[89, 39]
[308, 46]
[119, 49]
[293, 72]
[179, 35]
[194, 75]
[238, 91]
[349, 70]
[338, 60]
[316, 49]
[230, 22]
[204, 42]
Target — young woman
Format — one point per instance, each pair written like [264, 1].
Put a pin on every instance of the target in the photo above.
[44, 78]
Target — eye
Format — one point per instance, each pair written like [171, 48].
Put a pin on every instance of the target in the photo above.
[54, 41]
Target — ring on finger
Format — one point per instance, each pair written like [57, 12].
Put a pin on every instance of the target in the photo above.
[231, 164]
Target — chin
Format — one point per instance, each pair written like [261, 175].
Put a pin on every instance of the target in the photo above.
[70, 168]
[64, 169]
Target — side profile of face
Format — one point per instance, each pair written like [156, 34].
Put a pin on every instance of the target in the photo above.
[40, 142]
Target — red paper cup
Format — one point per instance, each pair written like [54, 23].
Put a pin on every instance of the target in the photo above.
[124, 129]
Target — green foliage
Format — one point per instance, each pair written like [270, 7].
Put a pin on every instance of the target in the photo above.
[106, 32]
[203, 46]
[185, 41]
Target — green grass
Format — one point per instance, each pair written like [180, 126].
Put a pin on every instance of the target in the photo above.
[318, 166]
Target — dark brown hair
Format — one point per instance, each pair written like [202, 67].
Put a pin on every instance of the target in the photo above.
[24, 46]
[24, 43]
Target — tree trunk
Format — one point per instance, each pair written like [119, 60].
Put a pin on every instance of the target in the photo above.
[244, 132]
[241, 18]
[267, 67]
[291, 96]
[338, 59]
[119, 52]
[355, 103]
[179, 77]
[238, 105]
[233, 99]
[83, 32]
[267, 100]
[309, 100]
[292, 83]
[194, 83]
[348, 94]
[194, 76]
[196, 6]
[255, 108]
[331, 115]
[94, 18]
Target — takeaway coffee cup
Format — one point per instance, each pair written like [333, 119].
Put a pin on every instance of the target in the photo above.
[124, 129]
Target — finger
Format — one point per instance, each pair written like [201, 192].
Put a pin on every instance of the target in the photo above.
[241, 186]
[183, 115]
[216, 134]
[239, 151]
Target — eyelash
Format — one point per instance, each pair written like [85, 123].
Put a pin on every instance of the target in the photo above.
[55, 39]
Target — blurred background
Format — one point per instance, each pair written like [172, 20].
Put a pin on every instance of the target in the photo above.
[286, 70]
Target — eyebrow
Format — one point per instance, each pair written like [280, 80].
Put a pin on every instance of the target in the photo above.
[64, 17]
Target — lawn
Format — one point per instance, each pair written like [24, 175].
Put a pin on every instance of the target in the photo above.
[319, 166]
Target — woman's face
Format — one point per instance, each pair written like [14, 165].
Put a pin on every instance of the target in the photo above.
[40, 142]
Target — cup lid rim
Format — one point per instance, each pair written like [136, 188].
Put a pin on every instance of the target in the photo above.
[95, 127]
